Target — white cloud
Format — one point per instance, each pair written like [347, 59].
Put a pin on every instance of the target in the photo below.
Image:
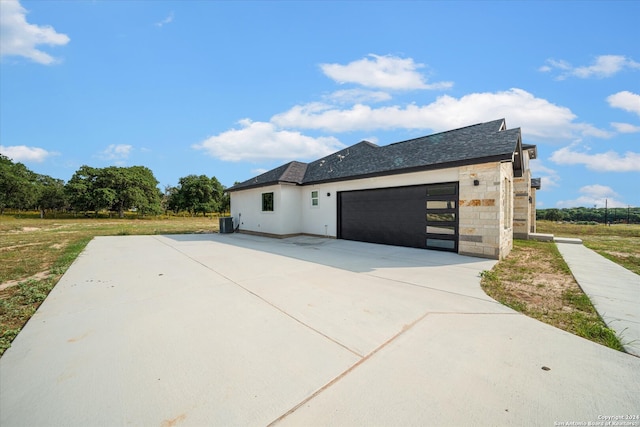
[384, 72]
[600, 162]
[116, 152]
[625, 127]
[606, 66]
[165, 21]
[625, 100]
[259, 171]
[19, 38]
[22, 153]
[550, 177]
[354, 96]
[603, 66]
[256, 141]
[594, 195]
[539, 118]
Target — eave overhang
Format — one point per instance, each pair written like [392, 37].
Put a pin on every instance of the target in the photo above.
[437, 166]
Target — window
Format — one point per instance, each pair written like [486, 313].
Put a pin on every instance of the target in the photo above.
[442, 216]
[440, 243]
[441, 229]
[267, 202]
[314, 198]
[442, 190]
[441, 204]
[437, 217]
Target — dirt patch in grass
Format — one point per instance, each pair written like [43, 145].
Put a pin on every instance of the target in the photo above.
[38, 276]
[535, 280]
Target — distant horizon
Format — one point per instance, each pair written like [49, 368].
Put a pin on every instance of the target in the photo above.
[234, 89]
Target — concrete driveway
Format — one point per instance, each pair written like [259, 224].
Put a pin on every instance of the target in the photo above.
[225, 330]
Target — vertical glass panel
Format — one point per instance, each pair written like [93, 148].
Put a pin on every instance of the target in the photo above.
[441, 229]
[441, 204]
[436, 217]
[440, 243]
[441, 190]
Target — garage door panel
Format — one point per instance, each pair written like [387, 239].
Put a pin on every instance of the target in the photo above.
[394, 216]
[400, 216]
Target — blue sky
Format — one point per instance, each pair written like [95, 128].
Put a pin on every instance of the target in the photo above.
[232, 89]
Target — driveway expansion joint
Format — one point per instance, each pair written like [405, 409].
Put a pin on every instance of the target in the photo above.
[404, 329]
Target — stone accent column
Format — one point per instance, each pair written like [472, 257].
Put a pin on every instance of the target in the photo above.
[522, 206]
[532, 213]
[481, 221]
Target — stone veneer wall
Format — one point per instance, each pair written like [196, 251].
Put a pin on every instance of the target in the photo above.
[532, 213]
[482, 220]
[522, 206]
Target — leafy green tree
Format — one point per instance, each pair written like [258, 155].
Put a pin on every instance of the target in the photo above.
[18, 185]
[169, 199]
[582, 214]
[132, 187]
[554, 215]
[114, 188]
[82, 190]
[225, 202]
[221, 197]
[52, 195]
[197, 194]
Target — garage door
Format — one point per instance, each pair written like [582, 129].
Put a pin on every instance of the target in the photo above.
[424, 216]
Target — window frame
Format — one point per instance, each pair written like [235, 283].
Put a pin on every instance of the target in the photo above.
[315, 198]
[268, 204]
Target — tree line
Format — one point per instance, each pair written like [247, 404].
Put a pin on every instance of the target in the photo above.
[114, 189]
[628, 215]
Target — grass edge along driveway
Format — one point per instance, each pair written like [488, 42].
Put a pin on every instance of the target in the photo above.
[35, 253]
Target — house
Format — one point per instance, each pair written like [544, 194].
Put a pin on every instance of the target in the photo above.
[467, 190]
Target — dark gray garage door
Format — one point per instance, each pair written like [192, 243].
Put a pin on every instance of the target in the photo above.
[424, 216]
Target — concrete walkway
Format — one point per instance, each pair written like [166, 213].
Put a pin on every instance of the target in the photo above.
[237, 330]
[613, 290]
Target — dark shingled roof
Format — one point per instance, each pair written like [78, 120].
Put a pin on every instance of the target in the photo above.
[484, 142]
[536, 183]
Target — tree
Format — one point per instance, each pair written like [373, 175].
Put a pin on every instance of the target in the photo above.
[133, 187]
[52, 194]
[169, 199]
[196, 194]
[83, 191]
[18, 185]
[554, 215]
[114, 188]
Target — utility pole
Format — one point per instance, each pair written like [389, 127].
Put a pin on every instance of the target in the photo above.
[628, 211]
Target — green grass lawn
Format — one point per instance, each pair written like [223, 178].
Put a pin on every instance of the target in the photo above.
[619, 242]
[535, 280]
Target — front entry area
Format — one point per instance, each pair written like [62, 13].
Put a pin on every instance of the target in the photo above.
[421, 216]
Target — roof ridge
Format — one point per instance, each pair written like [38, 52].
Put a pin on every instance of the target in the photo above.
[478, 143]
[445, 132]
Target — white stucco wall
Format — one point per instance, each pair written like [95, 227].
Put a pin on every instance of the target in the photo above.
[293, 212]
[485, 229]
[246, 210]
